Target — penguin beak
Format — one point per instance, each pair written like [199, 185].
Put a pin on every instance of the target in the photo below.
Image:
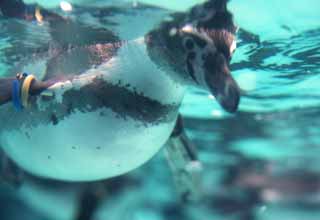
[220, 82]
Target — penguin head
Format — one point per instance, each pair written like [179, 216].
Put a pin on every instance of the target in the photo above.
[199, 46]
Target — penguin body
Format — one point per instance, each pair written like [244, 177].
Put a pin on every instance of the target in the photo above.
[101, 106]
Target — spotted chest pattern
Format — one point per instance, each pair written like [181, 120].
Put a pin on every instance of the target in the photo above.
[75, 90]
[99, 95]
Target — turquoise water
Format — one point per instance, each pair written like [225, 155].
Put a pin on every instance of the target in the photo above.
[261, 163]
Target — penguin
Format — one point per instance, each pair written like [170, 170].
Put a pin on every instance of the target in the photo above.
[100, 107]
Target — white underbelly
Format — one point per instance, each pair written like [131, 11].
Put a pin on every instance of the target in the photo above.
[85, 146]
[97, 144]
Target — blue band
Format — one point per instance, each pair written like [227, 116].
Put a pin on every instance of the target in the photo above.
[16, 95]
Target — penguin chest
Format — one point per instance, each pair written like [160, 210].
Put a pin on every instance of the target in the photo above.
[100, 124]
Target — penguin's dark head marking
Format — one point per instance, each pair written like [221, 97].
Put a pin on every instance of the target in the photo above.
[199, 45]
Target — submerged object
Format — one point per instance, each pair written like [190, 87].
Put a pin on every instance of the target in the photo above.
[101, 109]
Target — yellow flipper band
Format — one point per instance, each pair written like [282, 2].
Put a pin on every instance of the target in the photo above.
[25, 90]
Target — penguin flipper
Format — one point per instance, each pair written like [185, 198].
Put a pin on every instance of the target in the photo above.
[184, 164]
